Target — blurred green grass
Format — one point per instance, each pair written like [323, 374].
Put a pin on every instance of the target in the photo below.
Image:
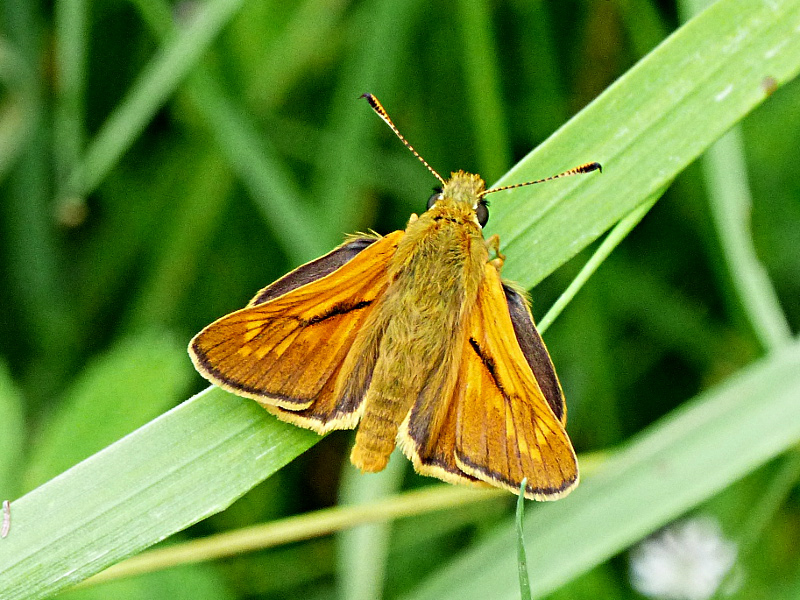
[158, 164]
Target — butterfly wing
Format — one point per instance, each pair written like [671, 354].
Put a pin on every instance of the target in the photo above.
[535, 352]
[428, 435]
[315, 269]
[505, 427]
[287, 348]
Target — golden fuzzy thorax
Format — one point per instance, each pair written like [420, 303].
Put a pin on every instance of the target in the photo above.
[419, 325]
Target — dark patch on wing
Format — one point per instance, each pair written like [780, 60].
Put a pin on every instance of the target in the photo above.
[488, 362]
[337, 309]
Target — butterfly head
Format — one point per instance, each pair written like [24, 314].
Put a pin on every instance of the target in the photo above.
[463, 189]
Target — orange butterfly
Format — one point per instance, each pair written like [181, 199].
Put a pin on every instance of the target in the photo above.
[415, 336]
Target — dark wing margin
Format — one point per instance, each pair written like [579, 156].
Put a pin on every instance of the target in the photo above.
[315, 269]
[532, 346]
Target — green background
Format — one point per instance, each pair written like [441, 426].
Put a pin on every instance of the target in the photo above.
[161, 163]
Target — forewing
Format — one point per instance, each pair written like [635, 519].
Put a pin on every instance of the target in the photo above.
[315, 269]
[505, 429]
[535, 352]
[287, 351]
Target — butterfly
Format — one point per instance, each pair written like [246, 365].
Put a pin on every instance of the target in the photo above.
[414, 338]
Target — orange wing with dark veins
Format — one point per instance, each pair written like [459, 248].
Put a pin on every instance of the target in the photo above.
[286, 349]
[505, 428]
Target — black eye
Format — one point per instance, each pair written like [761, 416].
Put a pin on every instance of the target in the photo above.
[482, 212]
[435, 197]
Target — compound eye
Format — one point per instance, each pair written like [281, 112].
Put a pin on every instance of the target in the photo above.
[482, 213]
[435, 197]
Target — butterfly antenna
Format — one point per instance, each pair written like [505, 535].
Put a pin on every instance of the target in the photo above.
[378, 108]
[587, 168]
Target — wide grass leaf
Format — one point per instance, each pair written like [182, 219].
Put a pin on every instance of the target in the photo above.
[644, 129]
[189, 463]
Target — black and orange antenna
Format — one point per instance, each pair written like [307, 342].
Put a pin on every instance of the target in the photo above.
[587, 168]
[378, 108]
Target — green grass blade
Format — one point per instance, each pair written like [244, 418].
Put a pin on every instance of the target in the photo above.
[729, 196]
[644, 129]
[540, 72]
[681, 461]
[644, 25]
[191, 582]
[774, 496]
[188, 464]
[18, 106]
[252, 158]
[522, 557]
[262, 170]
[363, 551]
[293, 54]
[71, 19]
[483, 87]
[31, 245]
[158, 81]
[370, 66]
[185, 248]
[463, 505]
[681, 325]
[725, 171]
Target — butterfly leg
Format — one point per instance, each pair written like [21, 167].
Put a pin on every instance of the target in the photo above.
[493, 244]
